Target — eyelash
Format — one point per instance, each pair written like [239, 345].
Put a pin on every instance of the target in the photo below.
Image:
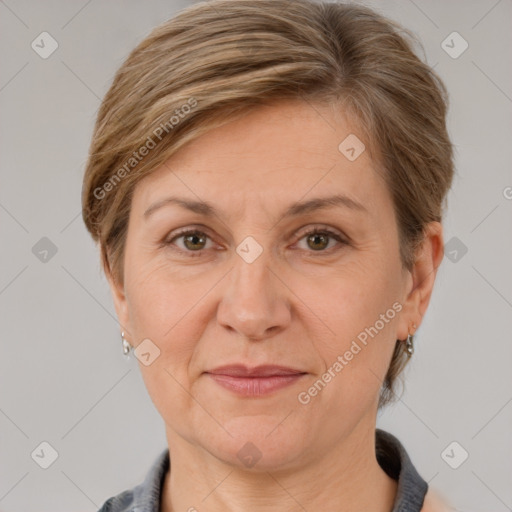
[314, 231]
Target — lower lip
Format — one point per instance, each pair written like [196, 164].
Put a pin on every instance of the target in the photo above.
[255, 386]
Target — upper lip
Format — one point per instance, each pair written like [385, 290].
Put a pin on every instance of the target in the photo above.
[240, 370]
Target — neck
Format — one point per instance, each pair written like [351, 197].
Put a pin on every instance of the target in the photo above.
[347, 479]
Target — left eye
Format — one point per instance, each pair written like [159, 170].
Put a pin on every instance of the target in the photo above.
[321, 238]
[195, 241]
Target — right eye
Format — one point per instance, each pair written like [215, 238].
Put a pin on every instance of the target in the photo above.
[194, 241]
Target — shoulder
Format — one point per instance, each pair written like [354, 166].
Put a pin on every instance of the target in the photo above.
[434, 502]
[145, 496]
[121, 503]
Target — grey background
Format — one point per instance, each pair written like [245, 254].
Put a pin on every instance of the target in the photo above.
[63, 378]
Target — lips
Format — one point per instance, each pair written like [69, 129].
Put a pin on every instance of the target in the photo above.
[257, 381]
[240, 370]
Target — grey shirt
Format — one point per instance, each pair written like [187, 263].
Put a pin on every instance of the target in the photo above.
[390, 453]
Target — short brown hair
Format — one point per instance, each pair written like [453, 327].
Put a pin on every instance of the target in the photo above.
[216, 60]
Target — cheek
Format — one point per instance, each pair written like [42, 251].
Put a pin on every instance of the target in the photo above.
[360, 293]
[159, 299]
[361, 309]
[165, 309]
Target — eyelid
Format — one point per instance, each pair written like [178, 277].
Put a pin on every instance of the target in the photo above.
[322, 228]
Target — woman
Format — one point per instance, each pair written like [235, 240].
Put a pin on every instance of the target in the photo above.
[266, 182]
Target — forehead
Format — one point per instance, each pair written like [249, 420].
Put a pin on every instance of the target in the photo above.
[274, 154]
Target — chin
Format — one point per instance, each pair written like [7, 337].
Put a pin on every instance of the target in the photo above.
[259, 443]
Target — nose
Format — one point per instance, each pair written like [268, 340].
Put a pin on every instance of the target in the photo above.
[255, 303]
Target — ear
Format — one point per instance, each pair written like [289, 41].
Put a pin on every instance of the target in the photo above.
[421, 282]
[119, 298]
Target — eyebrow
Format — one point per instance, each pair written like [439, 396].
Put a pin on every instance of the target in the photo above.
[298, 208]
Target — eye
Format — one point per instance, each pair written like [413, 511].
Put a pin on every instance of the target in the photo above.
[193, 241]
[318, 239]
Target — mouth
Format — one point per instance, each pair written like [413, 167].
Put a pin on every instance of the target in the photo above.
[257, 381]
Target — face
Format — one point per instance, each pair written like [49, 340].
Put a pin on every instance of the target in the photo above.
[252, 284]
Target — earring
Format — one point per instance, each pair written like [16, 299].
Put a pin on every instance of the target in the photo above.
[409, 345]
[126, 345]
[409, 342]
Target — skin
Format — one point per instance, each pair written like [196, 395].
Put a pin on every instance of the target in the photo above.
[300, 303]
